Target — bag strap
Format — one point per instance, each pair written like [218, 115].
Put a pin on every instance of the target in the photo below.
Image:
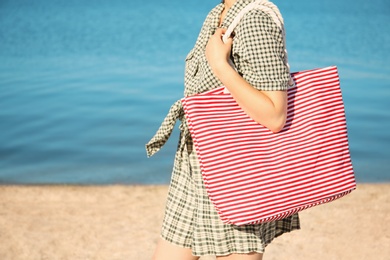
[268, 8]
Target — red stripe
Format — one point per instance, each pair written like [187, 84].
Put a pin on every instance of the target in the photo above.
[247, 168]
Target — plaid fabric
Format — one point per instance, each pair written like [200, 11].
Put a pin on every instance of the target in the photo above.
[258, 52]
[190, 218]
[258, 55]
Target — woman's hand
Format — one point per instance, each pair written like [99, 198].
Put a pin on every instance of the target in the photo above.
[218, 52]
[268, 108]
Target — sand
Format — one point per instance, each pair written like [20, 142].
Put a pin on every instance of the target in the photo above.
[123, 222]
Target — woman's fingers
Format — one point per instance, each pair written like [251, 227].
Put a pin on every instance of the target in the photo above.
[218, 52]
[220, 32]
[229, 41]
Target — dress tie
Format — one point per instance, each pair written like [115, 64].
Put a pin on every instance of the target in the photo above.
[164, 132]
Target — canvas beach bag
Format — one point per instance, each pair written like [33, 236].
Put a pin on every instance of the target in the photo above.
[253, 175]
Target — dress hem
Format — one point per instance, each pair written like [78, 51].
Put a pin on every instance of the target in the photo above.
[249, 251]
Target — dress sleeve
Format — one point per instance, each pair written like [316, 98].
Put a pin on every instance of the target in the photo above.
[261, 52]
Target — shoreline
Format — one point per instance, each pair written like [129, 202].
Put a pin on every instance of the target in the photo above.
[123, 222]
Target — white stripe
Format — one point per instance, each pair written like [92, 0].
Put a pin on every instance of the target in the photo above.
[308, 161]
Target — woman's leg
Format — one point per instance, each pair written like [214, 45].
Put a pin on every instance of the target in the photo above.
[251, 256]
[168, 251]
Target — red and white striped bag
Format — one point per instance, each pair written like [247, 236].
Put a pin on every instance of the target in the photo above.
[253, 175]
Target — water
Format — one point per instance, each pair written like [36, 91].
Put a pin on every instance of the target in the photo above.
[85, 84]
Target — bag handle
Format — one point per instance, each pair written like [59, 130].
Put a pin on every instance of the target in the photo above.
[270, 9]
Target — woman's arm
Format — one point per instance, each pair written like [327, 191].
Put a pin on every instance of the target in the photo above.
[268, 108]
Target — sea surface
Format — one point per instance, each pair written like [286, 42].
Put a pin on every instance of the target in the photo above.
[85, 84]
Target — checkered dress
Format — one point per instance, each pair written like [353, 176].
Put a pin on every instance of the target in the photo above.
[190, 218]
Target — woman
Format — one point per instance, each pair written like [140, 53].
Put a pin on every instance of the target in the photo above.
[191, 226]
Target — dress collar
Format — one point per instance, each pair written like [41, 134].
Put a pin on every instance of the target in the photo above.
[215, 14]
[231, 14]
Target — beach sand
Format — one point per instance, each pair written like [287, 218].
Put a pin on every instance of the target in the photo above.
[123, 222]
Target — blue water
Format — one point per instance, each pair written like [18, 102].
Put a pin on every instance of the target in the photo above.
[85, 84]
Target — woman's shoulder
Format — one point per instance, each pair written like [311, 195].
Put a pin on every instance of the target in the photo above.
[260, 20]
[260, 17]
